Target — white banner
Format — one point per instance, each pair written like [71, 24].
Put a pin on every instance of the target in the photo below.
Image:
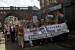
[45, 32]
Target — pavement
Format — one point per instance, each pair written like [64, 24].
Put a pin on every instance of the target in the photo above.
[2, 46]
[2, 41]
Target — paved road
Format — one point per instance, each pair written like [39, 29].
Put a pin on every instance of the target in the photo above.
[67, 44]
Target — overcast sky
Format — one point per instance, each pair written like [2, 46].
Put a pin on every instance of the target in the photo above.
[19, 3]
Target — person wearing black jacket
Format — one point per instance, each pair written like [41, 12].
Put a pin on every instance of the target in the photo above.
[12, 33]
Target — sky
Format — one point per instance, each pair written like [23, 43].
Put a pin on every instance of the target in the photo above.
[19, 3]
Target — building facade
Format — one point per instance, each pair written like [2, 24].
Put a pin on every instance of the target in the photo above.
[69, 7]
[69, 10]
[22, 13]
[44, 3]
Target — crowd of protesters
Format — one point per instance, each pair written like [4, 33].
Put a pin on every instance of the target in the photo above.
[14, 32]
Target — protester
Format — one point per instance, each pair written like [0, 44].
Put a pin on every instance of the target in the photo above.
[12, 33]
[20, 35]
[5, 31]
[30, 40]
[16, 31]
[8, 32]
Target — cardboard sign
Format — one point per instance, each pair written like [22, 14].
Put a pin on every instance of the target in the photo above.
[35, 19]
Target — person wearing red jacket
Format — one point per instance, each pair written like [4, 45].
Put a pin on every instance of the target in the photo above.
[20, 35]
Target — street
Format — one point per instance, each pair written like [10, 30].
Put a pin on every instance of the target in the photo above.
[37, 25]
[67, 44]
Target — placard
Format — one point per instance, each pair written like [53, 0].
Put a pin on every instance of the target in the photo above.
[35, 19]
